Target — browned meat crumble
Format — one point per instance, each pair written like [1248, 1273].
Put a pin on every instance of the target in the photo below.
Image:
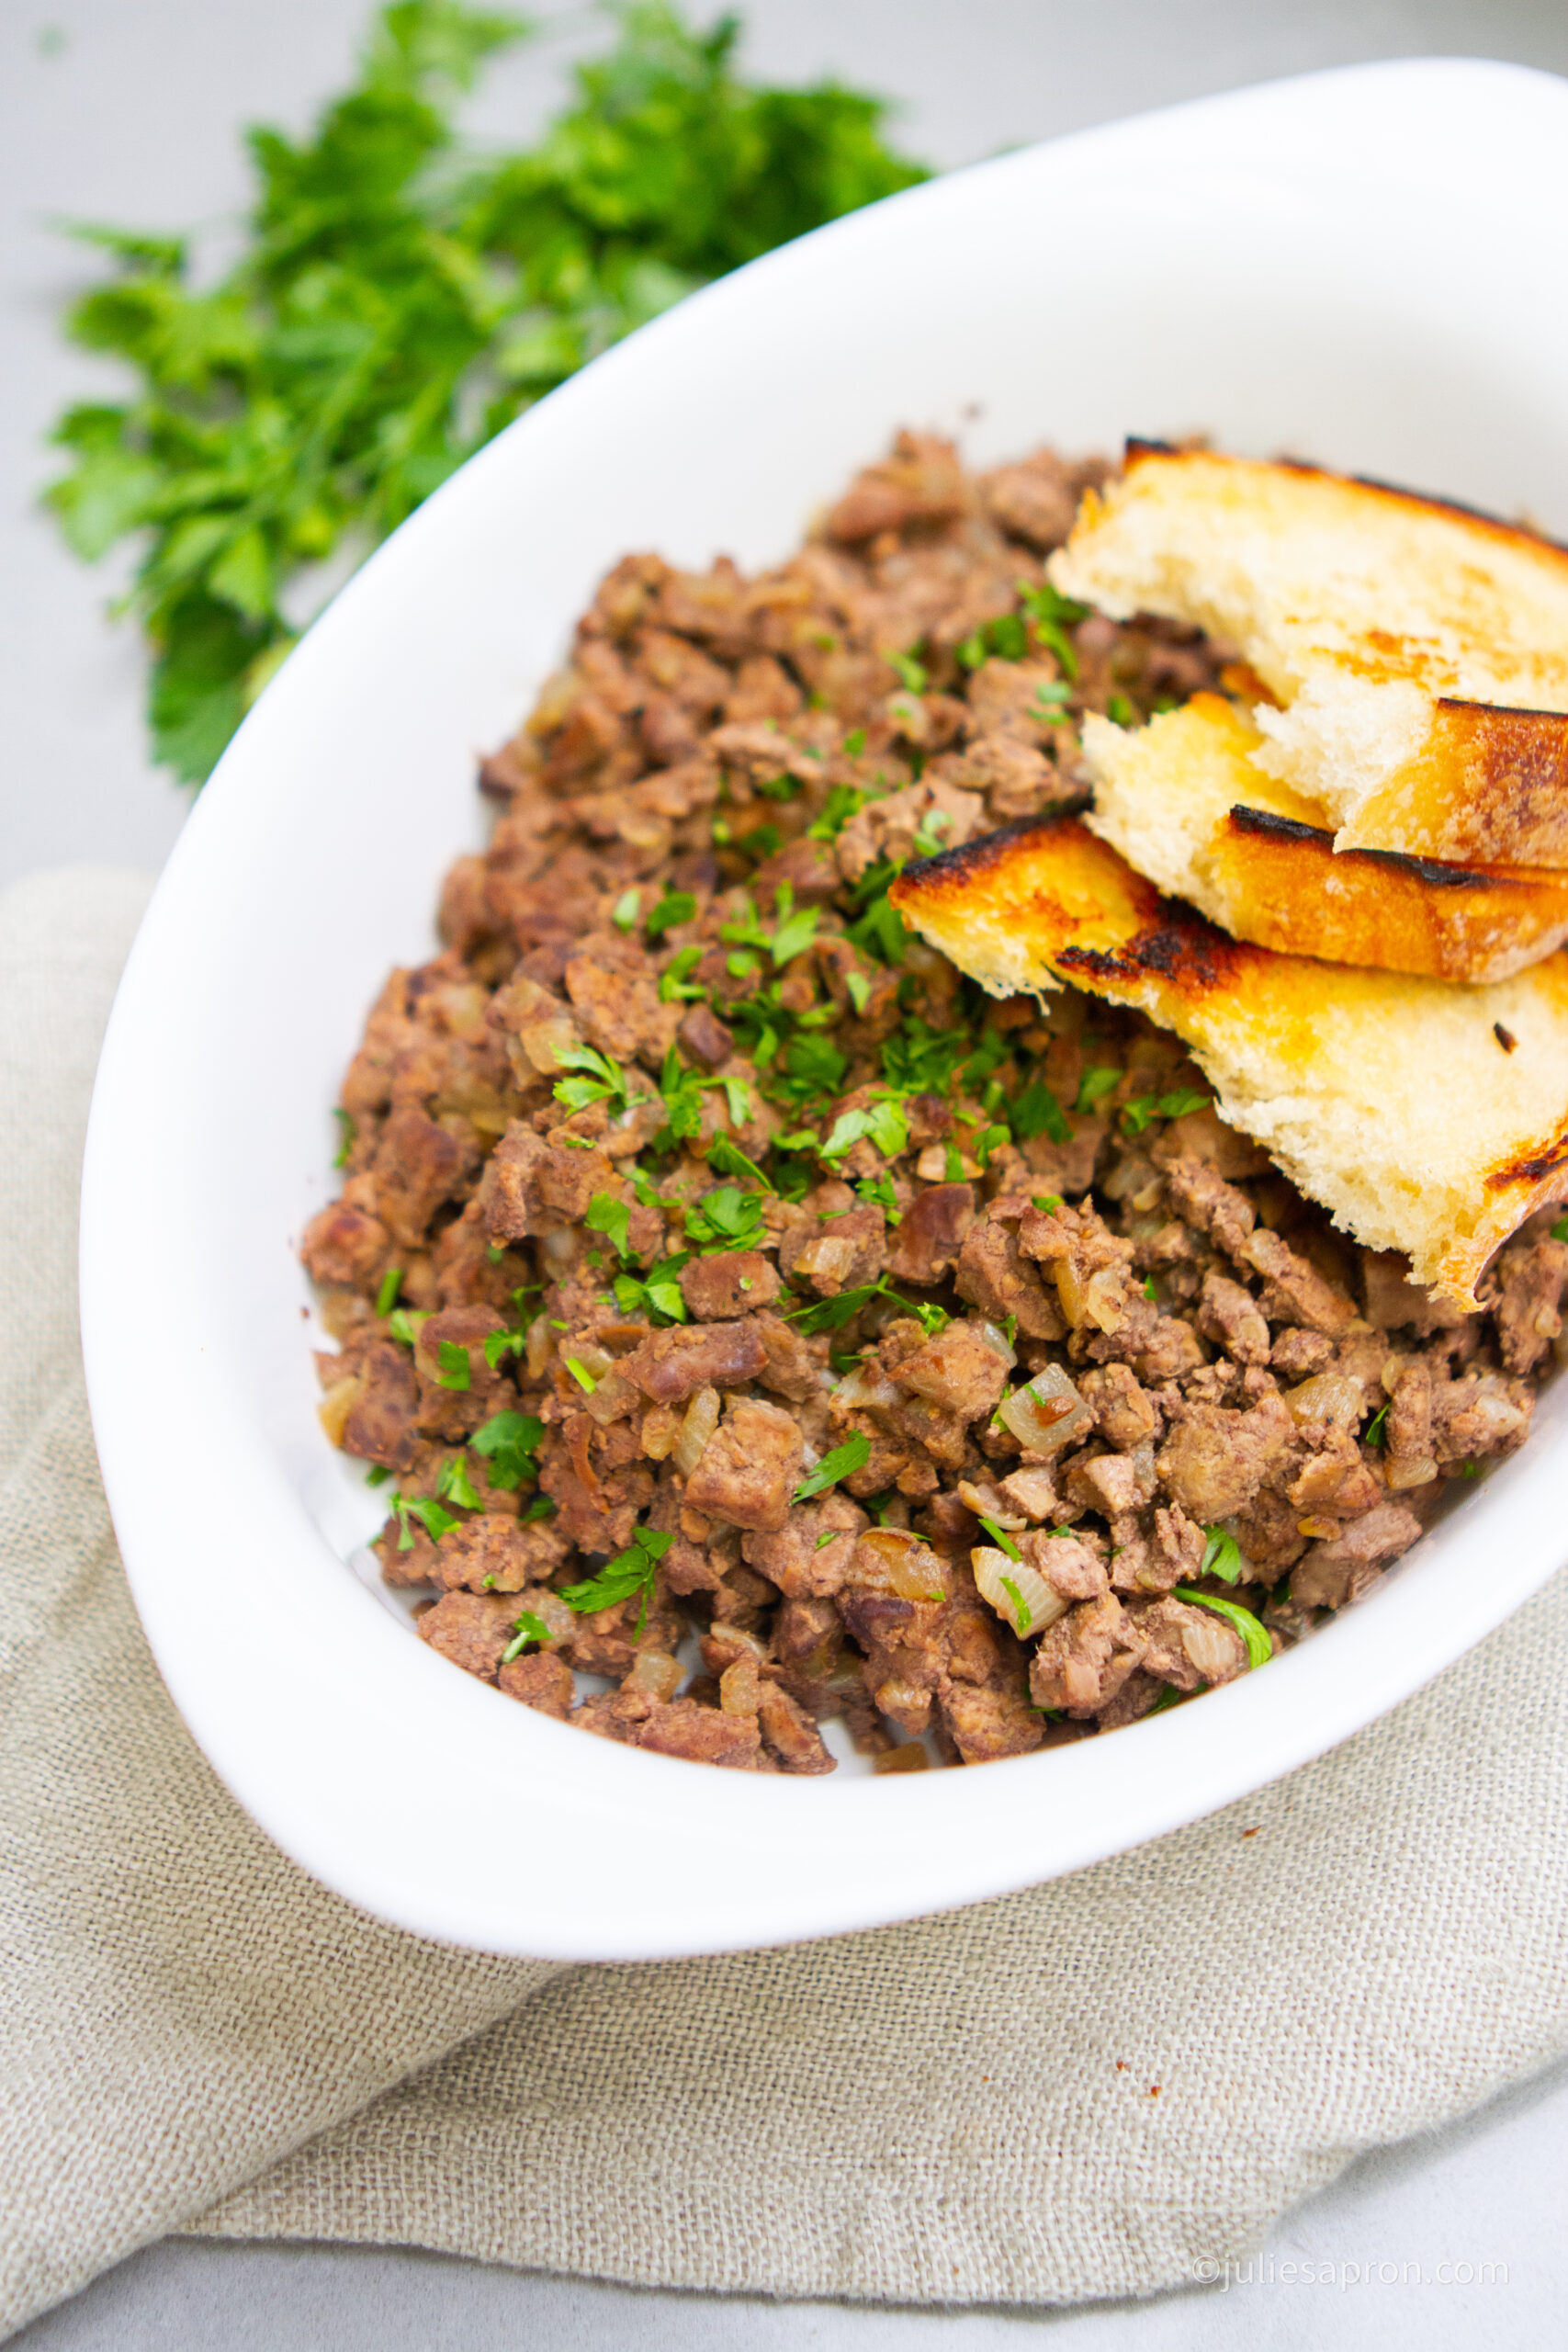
[714, 1263]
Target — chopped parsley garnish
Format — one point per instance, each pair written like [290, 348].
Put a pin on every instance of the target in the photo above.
[1222, 1556]
[525, 1628]
[454, 1486]
[1049, 1203]
[1006, 636]
[378, 1475]
[843, 801]
[632, 1571]
[882, 1122]
[434, 1519]
[601, 1080]
[727, 1159]
[1051, 615]
[405, 1324]
[387, 1296]
[508, 1441]
[1120, 709]
[347, 1132]
[911, 672]
[842, 1462]
[1259, 1648]
[587, 1381]
[999, 1535]
[675, 906]
[1560, 1231]
[1137, 1114]
[726, 1218]
[1375, 1432]
[1093, 1085]
[625, 911]
[452, 1366]
[612, 1219]
[1150, 1293]
[674, 986]
[1036, 1112]
[829, 1535]
[1020, 1606]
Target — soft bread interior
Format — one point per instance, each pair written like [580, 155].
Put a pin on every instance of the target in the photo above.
[1416, 654]
[1183, 800]
[1425, 1117]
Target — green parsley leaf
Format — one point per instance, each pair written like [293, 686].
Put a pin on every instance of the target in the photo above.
[508, 1441]
[1560, 1231]
[456, 1486]
[1120, 709]
[604, 1082]
[1049, 1203]
[842, 1462]
[999, 1535]
[1037, 1111]
[540, 1507]
[855, 742]
[1375, 1431]
[526, 1628]
[1149, 1290]
[1222, 1556]
[726, 1157]
[378, 1475]
[625, 911]
[347, 1130]
[612, 1219]
[1093, 1085]
[452, 1369]
[674, 985]
[428, 1511]
[586, 1380]
[1051, 616]
[911, 672]
[632, 1571]
[405, 1324]
[399, 296]
[387, 1296]
[726, 1218]
[843, 801]
[829, 1535]
[675, 906]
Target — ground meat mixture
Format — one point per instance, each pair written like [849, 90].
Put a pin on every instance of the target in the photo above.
[743, 1311]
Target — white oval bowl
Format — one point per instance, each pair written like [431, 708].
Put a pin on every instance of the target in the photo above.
[1366, 267]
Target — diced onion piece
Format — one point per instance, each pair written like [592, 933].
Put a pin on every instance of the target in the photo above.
[983, 1499]
[338, 1403]
[739, 1688]
[1046, 1413]
[997, 1339]
[660, 1429]
[1332, 1397]
[1099, 1298]
[1031, 1606]
[867, 1389]
[892, 1560]
[910, 1758]
[545, 1041]
[656, 1672]
[701, 1419]
[1404, 1470]
[538, 1346]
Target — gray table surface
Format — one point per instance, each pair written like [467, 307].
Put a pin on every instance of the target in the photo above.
[126, 111]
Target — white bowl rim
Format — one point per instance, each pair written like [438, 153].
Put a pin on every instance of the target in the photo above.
[797, 1853]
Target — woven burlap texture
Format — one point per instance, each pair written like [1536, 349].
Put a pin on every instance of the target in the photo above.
[1095, 2088]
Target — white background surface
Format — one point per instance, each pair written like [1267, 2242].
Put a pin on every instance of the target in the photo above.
[126, 111]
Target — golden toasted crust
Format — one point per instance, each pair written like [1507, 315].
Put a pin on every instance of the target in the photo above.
[1416, 652]
[1183, 801]
[1425, 1117]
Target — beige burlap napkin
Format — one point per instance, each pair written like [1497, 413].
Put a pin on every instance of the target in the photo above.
[1095, 2088]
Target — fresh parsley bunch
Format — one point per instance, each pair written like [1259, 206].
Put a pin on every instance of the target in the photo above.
[401, 298]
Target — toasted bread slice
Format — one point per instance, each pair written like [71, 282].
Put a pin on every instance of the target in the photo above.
[1183, 802]
[1425, 1117]
[1416, 654]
